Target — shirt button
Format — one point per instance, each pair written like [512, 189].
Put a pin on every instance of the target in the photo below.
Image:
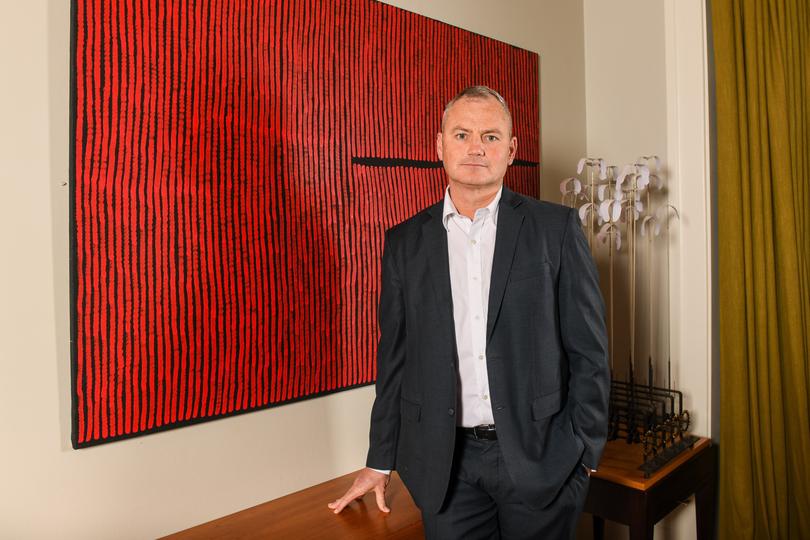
[480, 356]
[477, 317]
[473, 242]
[475, 278]
[451, 412]
[486, 397]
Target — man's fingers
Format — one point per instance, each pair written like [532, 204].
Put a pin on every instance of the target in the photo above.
[337, 506]
[380, 493]
[341, 503]
[365, 482]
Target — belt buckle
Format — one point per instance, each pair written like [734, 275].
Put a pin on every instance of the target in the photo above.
[475, 432]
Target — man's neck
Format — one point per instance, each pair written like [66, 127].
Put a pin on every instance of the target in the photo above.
[467, 200]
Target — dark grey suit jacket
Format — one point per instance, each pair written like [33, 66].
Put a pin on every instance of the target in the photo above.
[546, 352]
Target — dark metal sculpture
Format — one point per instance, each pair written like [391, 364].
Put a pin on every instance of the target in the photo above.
[652, 416]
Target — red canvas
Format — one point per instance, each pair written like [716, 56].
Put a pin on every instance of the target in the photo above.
[234, 166]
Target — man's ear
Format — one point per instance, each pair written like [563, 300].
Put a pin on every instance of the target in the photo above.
[512, 149]
[439, 145]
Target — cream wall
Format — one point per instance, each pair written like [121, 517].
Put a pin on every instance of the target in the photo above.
[625, 79]
[160, 483]
[646, 93]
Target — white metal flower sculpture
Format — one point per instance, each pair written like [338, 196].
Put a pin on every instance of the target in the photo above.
[615, 207]
[604, 199]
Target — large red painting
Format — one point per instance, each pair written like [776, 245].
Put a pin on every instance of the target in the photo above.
[234, 166]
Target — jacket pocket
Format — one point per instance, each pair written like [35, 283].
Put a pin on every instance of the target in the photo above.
[410, 410]
[546, 405]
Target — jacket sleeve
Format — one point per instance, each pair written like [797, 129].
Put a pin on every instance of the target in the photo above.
[584, 338]
[385, 413]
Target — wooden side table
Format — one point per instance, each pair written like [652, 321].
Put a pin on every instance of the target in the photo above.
[619, 492]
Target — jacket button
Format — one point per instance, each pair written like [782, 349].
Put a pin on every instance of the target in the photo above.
[451, 412]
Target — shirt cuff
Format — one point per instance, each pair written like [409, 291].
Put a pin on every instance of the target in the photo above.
[384, 471]
[590, 471]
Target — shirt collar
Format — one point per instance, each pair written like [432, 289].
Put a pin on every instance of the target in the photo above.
[449, 209]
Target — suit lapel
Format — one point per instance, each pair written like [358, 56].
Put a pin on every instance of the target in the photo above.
[509, 223]
[435, 236]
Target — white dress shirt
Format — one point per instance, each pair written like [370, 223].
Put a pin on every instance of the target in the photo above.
[470, 247]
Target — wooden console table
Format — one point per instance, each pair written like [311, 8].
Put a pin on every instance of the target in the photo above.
[304, 514]
[619, 492]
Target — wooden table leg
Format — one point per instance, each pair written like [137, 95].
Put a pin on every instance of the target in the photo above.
[641, 530]
[706, 501]
[598, 528]
[705, 512]
[641, 527]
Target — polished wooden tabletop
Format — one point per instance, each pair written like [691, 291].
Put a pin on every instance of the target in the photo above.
[620, 464]
[304, 514]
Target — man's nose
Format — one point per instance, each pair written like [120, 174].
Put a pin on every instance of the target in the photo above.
[475, 149]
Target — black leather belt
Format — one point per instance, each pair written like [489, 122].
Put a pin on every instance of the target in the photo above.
[484, 431]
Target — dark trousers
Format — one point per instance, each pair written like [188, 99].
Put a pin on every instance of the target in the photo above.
[481, 502]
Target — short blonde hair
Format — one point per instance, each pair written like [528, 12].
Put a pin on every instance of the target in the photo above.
[479, 92]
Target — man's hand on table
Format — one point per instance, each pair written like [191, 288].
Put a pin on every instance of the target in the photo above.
[367, 480]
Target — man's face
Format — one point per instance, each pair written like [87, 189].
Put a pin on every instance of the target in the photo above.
[476, 143]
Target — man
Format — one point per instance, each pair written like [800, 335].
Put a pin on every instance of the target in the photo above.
[492, 373]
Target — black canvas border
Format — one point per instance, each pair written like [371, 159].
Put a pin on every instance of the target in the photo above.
[72, 226]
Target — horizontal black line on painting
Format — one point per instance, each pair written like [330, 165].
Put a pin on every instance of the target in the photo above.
[418, 163]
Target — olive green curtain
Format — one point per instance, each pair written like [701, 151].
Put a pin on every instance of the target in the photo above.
[762, 68]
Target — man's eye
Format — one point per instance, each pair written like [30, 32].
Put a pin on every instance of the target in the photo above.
[491, 138]
[461, 136]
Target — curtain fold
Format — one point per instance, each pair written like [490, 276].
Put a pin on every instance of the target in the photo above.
[762, 69]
